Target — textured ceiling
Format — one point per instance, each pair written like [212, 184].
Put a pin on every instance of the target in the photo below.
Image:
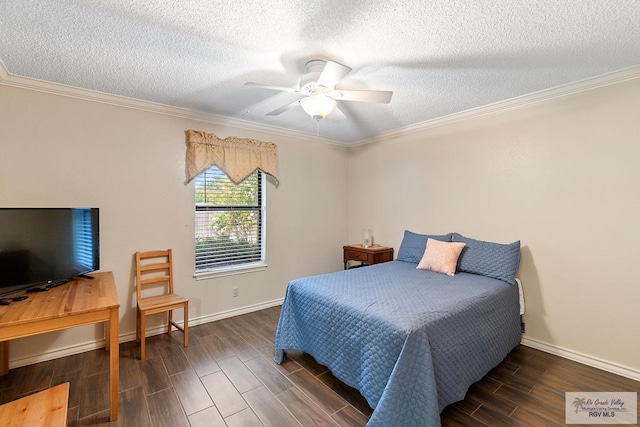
[438, 57]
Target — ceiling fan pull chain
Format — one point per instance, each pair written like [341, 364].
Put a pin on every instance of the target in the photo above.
[317, 127]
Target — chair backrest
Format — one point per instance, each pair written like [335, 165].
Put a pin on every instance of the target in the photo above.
[152, 268]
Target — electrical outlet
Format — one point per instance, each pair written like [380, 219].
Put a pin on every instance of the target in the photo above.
[236, 292]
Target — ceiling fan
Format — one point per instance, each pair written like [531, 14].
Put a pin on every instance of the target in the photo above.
[318, 88]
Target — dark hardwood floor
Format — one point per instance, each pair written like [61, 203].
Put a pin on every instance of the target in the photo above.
[226, 378]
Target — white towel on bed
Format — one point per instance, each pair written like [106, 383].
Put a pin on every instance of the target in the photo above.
[521, 294]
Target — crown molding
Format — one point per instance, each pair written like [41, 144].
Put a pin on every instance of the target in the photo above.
[510, 104]
[8, 79]
[4, 74]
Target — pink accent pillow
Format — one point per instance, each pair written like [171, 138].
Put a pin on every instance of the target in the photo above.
[441, 257]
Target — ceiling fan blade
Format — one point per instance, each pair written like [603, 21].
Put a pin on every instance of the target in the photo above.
[336, 115]
[282, 109]
[381, 96]
[332, 74]
[281, 88]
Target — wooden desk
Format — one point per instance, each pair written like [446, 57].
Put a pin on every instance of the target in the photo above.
[79, 302]
[44, 408]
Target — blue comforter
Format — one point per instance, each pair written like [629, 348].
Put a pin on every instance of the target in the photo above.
[411, 341]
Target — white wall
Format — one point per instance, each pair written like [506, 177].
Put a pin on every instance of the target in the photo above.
[561, 176]
[61, 151]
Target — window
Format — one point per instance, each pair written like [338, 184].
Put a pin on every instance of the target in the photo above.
[229, 226]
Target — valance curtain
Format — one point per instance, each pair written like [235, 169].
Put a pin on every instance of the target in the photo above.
[237, 157]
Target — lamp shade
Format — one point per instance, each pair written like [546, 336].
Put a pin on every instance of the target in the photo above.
[318, 105]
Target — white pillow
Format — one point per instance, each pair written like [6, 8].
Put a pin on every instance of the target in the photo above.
[441, 257]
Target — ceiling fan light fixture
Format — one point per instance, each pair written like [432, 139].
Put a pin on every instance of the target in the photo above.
[318, 106]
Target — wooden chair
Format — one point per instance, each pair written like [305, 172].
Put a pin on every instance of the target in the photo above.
[154, 268]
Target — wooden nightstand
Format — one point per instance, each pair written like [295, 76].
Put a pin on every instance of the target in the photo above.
[372, 255]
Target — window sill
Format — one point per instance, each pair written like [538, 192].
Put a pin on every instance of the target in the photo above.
[230, 271]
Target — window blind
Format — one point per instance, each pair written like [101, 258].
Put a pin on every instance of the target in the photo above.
[229, 220]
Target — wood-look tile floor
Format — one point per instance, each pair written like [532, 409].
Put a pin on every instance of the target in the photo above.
[226, 378]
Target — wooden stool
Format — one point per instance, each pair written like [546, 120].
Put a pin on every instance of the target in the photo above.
[44, 408]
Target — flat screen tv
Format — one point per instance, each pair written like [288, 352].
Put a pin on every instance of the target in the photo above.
[44, 247]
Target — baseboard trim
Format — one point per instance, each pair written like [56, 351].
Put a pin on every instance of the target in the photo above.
[57, 353]
[595, 362]
[592, 361]
[236, 312]
[130, 336]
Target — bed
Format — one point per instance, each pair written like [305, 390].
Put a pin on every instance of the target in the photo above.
[411, 341]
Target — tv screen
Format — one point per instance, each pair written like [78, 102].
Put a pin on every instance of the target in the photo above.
[45, 246]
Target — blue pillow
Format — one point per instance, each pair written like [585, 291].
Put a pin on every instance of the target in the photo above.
[413, 246]
[499, 261]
